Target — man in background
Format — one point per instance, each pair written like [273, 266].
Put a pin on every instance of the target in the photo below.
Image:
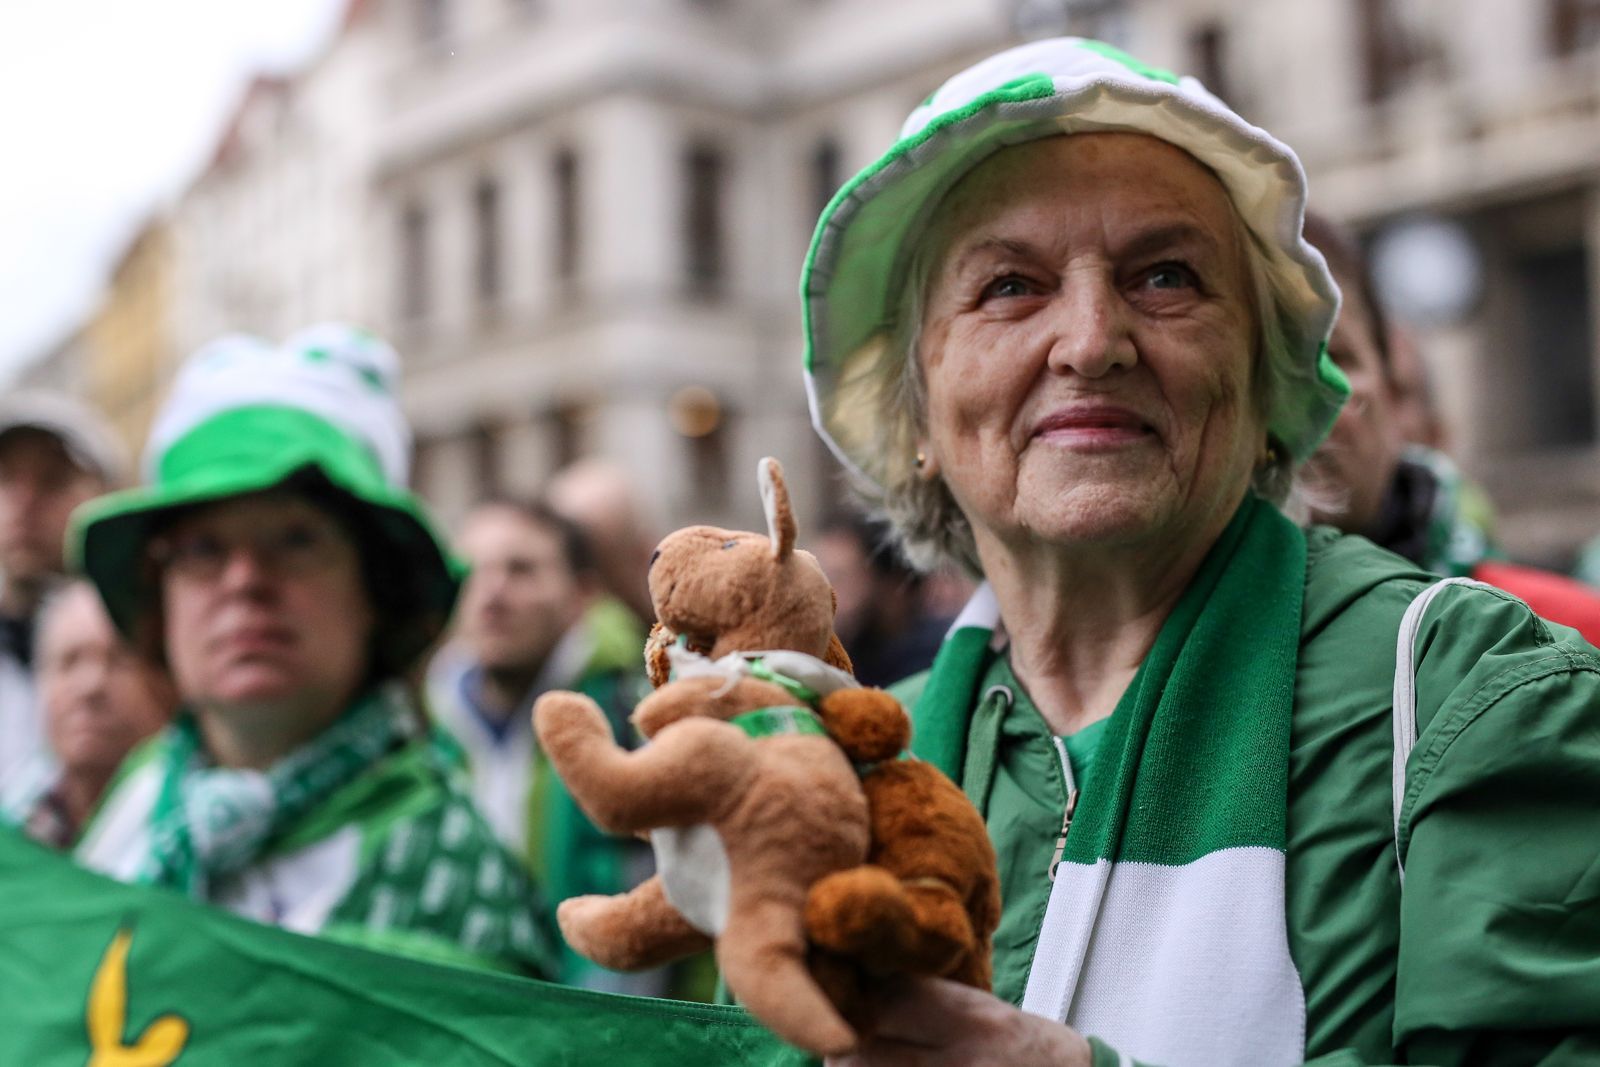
[882, 618]
[99, 700]
[599, 496]
[55, 453]
[524, 628]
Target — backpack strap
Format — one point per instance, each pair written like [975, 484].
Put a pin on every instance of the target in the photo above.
[1405, 695]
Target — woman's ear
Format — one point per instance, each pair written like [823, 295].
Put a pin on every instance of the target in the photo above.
[1268, 454]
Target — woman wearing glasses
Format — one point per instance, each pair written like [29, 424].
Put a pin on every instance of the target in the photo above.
[278, 568]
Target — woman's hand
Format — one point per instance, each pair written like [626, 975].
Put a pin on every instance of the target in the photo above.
[934, 1023]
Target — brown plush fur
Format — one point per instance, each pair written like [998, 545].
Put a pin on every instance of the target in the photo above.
[788, 809]
[792, 814]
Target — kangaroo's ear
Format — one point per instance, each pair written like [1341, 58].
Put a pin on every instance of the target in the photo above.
[781, 529]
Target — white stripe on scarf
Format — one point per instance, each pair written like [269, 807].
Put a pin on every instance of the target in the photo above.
[1149, 958]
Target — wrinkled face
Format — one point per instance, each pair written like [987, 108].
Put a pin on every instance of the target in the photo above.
[99, 698]
[39, 487]
[1357, 461]
[264, 605]
[1087, 345]
[522, 595]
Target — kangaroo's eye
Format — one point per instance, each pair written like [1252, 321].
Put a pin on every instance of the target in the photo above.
[728, 544]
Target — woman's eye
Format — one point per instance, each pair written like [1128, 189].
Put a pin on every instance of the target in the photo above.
[1006, 286]
[1170, 276]
[199, 548]
[299, 538]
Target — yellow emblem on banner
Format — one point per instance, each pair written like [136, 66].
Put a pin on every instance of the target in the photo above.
[159, 1045]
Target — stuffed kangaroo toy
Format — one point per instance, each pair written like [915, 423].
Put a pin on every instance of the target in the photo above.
[754, 789]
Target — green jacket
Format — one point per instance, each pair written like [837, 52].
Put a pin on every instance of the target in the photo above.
[1491, 954]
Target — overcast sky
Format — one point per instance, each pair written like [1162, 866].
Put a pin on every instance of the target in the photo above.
[107, 109]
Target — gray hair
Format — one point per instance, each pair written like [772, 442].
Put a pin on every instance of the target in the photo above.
[921, 512]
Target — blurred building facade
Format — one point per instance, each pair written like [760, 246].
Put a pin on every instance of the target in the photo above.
[63, 367]
[128, 342]
[582, 220]
[271, 235]
[592, 217]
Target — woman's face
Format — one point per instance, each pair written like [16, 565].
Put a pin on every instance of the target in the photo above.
[264, 605]
[1086, 345]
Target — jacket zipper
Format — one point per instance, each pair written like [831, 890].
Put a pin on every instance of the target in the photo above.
[1072, 805]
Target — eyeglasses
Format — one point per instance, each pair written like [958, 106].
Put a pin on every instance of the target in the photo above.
[286, 551]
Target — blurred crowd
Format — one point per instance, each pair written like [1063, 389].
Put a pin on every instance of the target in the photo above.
[231, 675]
[256, 673]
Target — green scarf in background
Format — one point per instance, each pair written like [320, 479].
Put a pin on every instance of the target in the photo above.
[209, 822]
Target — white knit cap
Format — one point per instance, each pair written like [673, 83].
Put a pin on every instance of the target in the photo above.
[339, 372]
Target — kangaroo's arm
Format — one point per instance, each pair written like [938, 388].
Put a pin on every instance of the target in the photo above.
[686, 774]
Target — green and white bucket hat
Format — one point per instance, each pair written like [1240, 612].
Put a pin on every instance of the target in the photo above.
[861, 251]
[319, 413]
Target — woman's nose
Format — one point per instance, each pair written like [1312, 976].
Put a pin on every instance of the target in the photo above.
[244, 567]
[1090, 328]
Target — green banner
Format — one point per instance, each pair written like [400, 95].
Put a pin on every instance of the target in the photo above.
[98, 974]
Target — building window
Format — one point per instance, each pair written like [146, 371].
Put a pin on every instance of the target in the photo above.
[432, 21]
[825, 175]
[484, 445]
[704, 173]
[697, 415]
[1397, 45]
[414, 262]
[1574, 26]
[1104, 20]
[1553, 290]
[567, 424]
[1208, 49]
[565, 175]
[708, 466]
[519, 11]
[486, 213]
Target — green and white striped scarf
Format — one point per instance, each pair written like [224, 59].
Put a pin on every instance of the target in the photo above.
[1165, 934]
[209, 822]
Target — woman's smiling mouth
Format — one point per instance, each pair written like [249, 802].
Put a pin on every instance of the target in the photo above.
[1092, 427]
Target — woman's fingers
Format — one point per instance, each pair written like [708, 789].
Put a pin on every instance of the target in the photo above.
[936, 1023]
[885, 1053]
[932, 1011]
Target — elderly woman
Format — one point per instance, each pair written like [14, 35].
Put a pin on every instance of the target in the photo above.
[1068, 334]
[278, 568]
